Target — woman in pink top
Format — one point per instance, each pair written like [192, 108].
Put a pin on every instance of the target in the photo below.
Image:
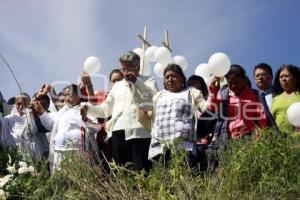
[237, 104]
[238, 109]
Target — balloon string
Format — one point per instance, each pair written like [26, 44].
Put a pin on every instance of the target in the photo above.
[11, 71]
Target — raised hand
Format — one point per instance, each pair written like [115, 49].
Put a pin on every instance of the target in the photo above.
[130, 76]
[44, 90]
[86, 80]
[215, 82]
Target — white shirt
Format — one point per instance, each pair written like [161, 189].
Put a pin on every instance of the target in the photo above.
[12, 126]
[65, 126]
[122, 104]
[21, 131]
[268, 99]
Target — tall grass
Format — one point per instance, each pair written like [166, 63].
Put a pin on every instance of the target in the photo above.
[268, 168]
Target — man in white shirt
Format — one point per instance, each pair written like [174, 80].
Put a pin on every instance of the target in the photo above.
[126, 99]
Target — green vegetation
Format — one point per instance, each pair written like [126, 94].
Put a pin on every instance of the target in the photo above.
[268, 168]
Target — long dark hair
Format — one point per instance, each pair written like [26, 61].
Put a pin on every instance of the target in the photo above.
[115, 71]
[175, 68]
[203, 89]
[295, 72]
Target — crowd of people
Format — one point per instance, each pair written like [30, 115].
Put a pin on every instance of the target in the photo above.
[134, 123]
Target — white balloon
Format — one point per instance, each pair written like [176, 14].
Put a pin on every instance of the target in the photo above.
[293, 114]
[181, 61]
[139, 51]
[163, 56]
[219, 64]
[92, 65]
[203, 70]
[149, 53]
[146, 69]
[208, 80]
[159, 70]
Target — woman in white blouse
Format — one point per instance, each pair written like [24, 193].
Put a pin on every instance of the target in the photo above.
[65, 125]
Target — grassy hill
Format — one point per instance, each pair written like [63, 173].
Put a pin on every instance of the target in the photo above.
[250, 168]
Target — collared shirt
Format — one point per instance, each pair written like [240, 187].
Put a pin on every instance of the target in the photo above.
[122, 104]
[268, 97]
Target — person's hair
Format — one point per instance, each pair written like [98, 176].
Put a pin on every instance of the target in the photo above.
[115, 71]
[204, 89]
[23, 96]
[131, 57]
[175, 68]
[74, 89]
[11, 101]
[248, 82]
[264, 66]
[61, 93]
[238, 71]
[295, 72]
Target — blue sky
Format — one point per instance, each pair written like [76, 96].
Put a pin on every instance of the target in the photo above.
[47, 41]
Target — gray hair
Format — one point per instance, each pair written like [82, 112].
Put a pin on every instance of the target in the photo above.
[131, 57]
[24, 96]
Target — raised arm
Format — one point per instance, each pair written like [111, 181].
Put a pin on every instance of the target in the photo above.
[47, 119]
[88, 86]
[104, 110]
[200, 103]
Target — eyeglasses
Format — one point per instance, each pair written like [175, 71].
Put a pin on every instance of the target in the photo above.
[127, 69]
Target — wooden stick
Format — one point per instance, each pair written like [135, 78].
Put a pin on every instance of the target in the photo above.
[166, 42]
[167, 37]
[142, 62]
[145, 41]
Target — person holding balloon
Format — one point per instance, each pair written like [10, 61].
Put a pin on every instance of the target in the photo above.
[238, 105]
[239, 110]
[103, 143]
[130, 139]
[286, 93]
